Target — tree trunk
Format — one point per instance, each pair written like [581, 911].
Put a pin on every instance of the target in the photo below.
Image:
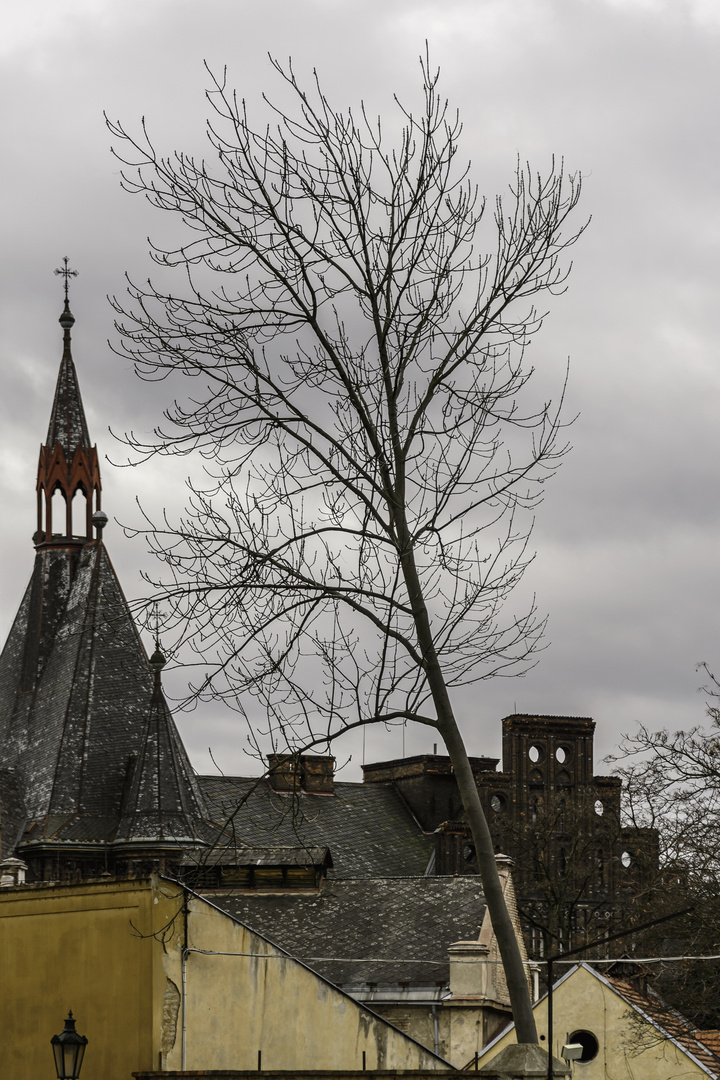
[515, 974]
[503, 928]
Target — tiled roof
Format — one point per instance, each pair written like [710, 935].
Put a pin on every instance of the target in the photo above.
[356, 931]
[367, 828]
[710, 1039]
[669, 1021]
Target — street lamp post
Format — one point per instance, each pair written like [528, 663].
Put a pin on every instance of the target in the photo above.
[69, 1050]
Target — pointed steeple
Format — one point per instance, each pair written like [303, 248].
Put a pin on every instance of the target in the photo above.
[68, 463]
[93, 772]
[162, 804]
[68, 425]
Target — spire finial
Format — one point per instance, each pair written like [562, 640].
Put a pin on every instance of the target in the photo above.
[157, 660]
[67, 274]
[66, 319]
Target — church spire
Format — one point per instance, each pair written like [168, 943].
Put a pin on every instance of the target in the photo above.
[68, 463]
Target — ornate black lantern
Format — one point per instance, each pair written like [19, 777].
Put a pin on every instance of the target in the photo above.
[69, 1049]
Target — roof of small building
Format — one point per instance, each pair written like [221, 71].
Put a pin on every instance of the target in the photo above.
[354, 931]
[668, 1021]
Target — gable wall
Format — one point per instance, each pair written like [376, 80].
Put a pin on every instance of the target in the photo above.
[629, 1048]
[238, 1004]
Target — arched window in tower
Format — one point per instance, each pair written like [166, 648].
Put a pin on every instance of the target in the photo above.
[564, 779]
[536, 803]
[561, 816]
[536, 778]
[78, 518]
[536, 753]
[563, 861]
[58, 513]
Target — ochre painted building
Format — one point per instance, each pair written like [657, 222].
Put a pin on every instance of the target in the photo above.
[626, 1031]
[159, 978]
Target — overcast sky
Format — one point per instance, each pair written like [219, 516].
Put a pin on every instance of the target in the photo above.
[626, 91]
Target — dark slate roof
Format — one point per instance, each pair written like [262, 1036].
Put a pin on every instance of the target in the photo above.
[399, 928]
[68, 425]
[12, 811]
[76, 703]
[366, 826]
[162, 801]
[222, 855]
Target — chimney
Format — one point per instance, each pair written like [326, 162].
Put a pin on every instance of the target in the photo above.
[12, 872]
[284, 772]
[470, 970]
[318, 773]
[311, 773]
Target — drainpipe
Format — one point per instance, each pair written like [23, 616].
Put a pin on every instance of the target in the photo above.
[436, 1031]
[184, 1008]
[185, 953]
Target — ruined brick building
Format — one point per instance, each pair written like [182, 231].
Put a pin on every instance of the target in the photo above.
[95, 781]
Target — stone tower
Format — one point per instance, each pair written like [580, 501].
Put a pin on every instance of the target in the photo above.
[94, 777]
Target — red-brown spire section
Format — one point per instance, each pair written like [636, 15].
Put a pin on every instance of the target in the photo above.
[68, 463]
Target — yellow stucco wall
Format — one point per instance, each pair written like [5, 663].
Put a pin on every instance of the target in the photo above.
[74, 948]
[629, 1049]
[112, 952]
[238, 1004]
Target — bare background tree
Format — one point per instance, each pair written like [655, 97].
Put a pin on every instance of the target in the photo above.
[355, 320]
[671, 783]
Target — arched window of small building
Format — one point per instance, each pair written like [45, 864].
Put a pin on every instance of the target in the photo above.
[589, 1043]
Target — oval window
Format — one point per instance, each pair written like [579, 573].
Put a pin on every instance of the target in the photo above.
[497, 804]
[626, 859]
[560, 754]
[599, 808]
[589, 1043]
[535, 753]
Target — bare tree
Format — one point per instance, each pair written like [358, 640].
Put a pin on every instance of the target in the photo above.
[671, 783]
[356, 323]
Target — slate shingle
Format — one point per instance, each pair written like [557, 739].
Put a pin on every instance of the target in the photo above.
[358, 930]
[366, 826]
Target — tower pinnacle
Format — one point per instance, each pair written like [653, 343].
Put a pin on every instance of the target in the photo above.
[68, 462]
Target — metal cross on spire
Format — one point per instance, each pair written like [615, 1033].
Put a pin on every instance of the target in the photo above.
[67, 274]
